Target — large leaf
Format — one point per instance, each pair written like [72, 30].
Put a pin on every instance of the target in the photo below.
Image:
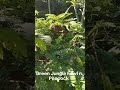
[12, 41]
[41, 44]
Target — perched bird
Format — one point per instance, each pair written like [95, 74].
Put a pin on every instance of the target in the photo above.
[47, 39]
[57, 29]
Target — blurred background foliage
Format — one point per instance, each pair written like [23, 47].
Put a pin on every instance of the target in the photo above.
[16, 60]
[21, 9]
[102, 45]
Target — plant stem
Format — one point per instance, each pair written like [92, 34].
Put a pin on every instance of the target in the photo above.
[82, 18]
[76, 14]
[49, 6]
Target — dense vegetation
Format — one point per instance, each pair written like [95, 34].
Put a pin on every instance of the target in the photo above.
[16, 60]
[60, 51]
[102, 45]
[63, 43]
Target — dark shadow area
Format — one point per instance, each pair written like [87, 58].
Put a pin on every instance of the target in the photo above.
[102, 45]
[17, 61]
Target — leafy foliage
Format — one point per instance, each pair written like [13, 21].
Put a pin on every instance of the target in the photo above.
[65, 53]
[102, 45]
[16, 60]
[22, 9]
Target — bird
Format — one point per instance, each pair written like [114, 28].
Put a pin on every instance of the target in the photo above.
[55, 28]
[46, 38]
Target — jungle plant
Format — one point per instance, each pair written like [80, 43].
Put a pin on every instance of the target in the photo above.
[64, 53]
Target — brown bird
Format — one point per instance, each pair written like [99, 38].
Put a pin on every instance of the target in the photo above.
[58, 29]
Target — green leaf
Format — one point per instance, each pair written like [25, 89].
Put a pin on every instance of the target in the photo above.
[107, 83]
[41, 44]
[1, 52]
[12, 41]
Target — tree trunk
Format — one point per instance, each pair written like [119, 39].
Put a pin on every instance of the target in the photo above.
[49, 9]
